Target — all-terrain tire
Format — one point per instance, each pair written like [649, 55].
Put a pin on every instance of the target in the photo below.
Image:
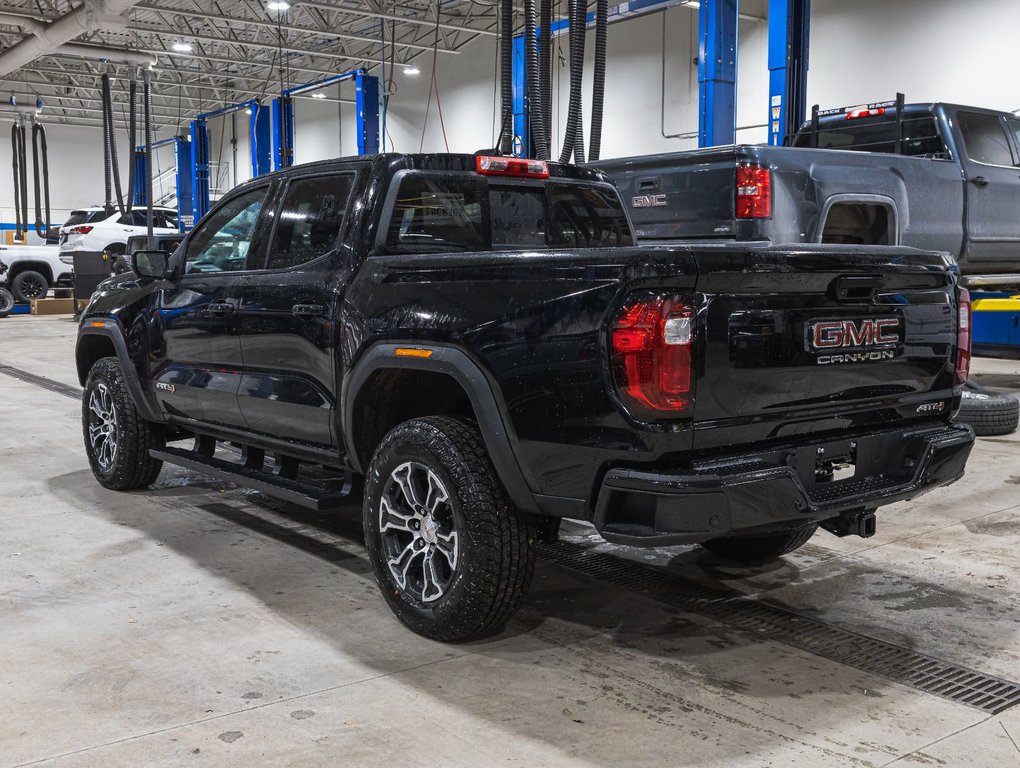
[29, 285]
[989, 414]
[757, 550]
[6, 302]
[128, 466]
[494, 555]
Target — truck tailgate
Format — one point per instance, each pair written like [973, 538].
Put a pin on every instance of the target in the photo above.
[819, 339]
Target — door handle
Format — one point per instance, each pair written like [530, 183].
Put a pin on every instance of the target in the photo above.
[220, 308]
[307, 311]
[979, 181]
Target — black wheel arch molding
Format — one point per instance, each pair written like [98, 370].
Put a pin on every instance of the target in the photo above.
[110, 330]
[493, 420]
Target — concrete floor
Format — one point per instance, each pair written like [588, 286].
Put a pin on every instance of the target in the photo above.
[200, 625]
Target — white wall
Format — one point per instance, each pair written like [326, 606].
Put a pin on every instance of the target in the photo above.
[76, 173]
[962, 51]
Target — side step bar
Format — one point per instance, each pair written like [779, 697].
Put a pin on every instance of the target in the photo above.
[304, 494]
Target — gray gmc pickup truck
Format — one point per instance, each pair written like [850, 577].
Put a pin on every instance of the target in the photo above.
[941, 177]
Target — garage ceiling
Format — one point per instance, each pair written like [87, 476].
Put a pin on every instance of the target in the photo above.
[239, 49]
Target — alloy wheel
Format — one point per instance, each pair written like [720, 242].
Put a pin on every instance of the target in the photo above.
[103, 427]
[418, 529]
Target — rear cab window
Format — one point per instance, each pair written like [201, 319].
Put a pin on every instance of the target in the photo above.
[462, 212]
[921, 136]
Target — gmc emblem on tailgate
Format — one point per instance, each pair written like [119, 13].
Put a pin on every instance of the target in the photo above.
[648, 201]
[855, 340]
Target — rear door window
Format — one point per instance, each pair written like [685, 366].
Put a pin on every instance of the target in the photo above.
[309, 220]
[985, 138]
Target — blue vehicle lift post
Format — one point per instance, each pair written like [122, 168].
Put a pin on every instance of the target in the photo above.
[717, 72]
[789, 33]
[183, 179]
[366, 115]
[261, 149]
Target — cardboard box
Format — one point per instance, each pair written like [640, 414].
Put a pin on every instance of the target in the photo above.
[53, 306]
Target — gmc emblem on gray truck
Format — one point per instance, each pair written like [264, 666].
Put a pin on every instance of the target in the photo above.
[648, 201]
[857, 337]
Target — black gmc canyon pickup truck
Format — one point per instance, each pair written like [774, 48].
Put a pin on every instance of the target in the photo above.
[940, 177]
[479, 339]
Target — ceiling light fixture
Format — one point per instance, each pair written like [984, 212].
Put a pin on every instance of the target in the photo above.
[318, 95]
[182, 47]
[278, 5]
[412, 71]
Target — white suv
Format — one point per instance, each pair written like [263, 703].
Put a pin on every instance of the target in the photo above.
[91, 229]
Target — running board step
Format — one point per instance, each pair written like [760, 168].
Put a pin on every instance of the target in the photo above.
[304, 494]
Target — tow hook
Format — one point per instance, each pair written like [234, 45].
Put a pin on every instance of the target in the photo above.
[860, 523]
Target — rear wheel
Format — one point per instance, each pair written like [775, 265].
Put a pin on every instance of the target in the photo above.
[117, 438]
[6, 302]
[29, 285]
[755, 550]
[451, 553]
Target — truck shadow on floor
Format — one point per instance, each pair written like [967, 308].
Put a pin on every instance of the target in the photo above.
[660, 667]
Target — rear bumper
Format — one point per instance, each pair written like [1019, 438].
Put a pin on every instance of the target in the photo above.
[775, 489]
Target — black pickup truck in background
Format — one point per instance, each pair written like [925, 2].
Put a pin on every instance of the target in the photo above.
[482, 341]
[940, 177]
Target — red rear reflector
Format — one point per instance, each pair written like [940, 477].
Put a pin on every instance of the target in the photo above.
[754, 192]
[80, 230]
[512, 166]
[963, 338]
[652, 341]
[853, 114]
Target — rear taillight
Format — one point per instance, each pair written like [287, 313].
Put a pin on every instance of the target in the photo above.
[963, 338]
[652, 341]
[79, 230]
[754, 192]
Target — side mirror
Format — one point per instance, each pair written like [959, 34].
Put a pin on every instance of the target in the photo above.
[152, 265]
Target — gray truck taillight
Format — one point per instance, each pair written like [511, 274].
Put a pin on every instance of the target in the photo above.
[963, 338]
[652, 343]
[754, 192]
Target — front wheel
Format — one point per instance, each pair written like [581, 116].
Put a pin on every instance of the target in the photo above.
[117, 438]
[451, 553]
[6, 302]
[757, 550]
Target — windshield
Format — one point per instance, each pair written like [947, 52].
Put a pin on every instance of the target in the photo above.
[877, 134]
[455, 213]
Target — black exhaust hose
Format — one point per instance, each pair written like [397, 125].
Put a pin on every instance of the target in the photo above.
[573, 140]
[23, 176]
[598, 95]
[132, 138]
[103, 98]
[579, 25]
[147, 96]
[506, 122]
[567, 150]
[545, 68]
[41, 151]
[15, 168]
[536, 123]
[114, 158]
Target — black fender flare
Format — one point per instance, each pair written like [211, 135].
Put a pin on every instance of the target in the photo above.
[110, 330]
[493, 421]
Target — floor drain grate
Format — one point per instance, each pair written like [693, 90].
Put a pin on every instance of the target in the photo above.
[41, 381]
[893, 662]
